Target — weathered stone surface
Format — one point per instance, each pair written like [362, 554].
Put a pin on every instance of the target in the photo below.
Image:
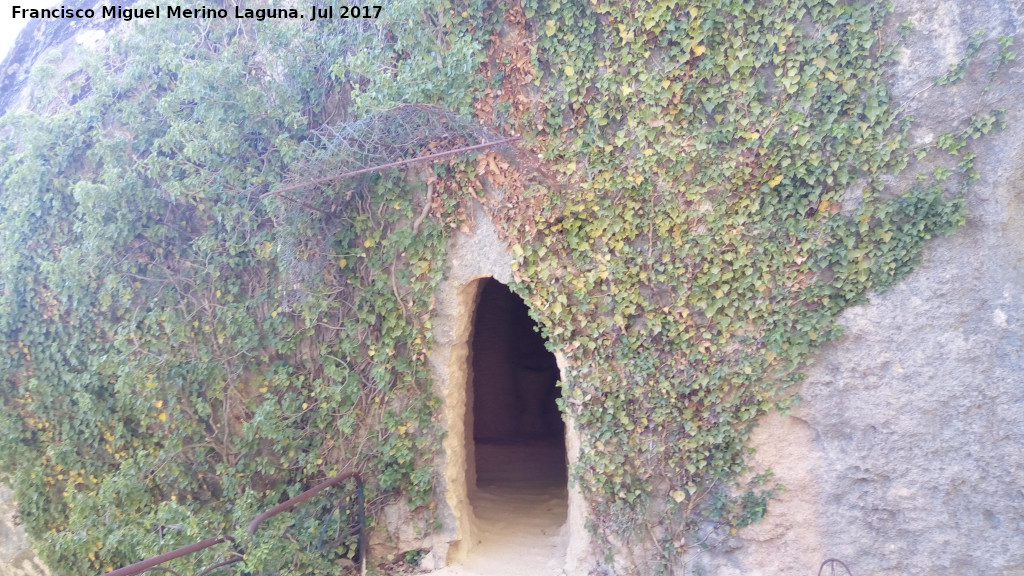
[16, 556]
[471, 257]
[41, 36]
[906, 455]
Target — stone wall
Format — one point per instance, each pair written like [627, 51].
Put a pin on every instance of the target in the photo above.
[471, 258]
[906, 455]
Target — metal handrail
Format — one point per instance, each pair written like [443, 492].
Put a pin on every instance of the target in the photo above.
[308, 494]
[832, 563]
[142, 566]
[149, 563]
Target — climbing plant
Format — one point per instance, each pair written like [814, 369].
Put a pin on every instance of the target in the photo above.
[721, 197]
[698, 193]
[165, 374]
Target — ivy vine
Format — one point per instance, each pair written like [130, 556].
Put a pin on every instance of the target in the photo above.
[722, 198]
[164, 377]
[710, 195]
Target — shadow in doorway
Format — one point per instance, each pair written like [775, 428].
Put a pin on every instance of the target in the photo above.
[518, 431]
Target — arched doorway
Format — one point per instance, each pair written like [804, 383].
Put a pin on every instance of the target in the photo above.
[515, 439]
[517, 428]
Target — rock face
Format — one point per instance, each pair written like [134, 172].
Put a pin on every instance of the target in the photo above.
[16, 557]
[906, 455]
[39, 37]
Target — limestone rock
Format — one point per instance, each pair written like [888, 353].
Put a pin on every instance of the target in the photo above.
[41, 36]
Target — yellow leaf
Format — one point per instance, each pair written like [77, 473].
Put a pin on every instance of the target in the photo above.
[694, 11]
[570, 72]
[699, 49]
[775, 181]
[163, 416]
[678, 495]
[342, 263]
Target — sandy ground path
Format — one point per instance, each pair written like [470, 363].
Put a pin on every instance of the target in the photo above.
[520, 506]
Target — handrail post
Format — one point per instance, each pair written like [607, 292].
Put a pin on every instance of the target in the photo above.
[361, 516]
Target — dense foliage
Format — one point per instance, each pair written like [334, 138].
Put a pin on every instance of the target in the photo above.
[722, 197]
[711, 196]
[163, 379]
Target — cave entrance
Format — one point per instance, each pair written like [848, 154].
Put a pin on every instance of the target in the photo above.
[517, 428]
[516, 455]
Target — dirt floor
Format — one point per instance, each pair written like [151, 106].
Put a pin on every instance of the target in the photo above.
[520, 506]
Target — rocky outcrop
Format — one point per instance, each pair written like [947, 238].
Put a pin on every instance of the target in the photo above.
[39, 37]
[906, 455]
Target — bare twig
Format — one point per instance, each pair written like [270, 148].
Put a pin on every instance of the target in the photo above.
[434, 156]
[425, 210]
[394, 286]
